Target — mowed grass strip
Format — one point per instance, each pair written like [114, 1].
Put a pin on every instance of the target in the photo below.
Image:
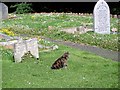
[84, 70]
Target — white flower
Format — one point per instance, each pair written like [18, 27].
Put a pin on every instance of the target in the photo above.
[114, 29]
[48, 42]
[83, 77]
[55, 47]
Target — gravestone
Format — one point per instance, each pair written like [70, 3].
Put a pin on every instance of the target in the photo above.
[19, 51]
[3, 11]
[24, 46]
[101, 17]
[32, 46]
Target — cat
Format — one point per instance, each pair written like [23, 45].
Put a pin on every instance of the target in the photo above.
[61, 62]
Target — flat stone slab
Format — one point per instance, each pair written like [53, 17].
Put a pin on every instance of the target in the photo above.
[69, 30]
[77, 30]
[6, 37]
[8, 43]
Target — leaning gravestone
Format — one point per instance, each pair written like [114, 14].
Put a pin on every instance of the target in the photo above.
[101, 17]
[24, 46]
[3, 11]
[19, 51]
[32, 46]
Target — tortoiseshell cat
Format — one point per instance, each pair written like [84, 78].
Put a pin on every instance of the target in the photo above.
[61, 62]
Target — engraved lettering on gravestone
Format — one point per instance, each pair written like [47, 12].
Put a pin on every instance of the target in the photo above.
[22, 47]
[101, 18]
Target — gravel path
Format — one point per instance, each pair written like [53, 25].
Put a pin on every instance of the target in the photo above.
[96, 50]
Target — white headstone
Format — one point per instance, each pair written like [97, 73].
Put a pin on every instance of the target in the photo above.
[32, 46]
[19, 51]
[22, 47]
[101, 17]
[3, 11]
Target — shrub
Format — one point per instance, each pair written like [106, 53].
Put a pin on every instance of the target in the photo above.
[22, 8]
[7, 31]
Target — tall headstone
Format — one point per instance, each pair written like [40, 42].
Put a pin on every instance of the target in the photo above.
[101, 17]
[3, 11]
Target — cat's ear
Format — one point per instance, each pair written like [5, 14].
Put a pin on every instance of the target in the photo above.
[67, 52]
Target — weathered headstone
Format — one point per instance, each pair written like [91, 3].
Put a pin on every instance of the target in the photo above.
[32, 46]
[101, 17]
[22, 47]
[3, 11]
[19, 51]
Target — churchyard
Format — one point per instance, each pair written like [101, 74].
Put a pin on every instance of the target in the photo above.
[85, 69]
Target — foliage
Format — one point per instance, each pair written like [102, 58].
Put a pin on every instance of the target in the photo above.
[21, 29]
[7, 31]
[2, 40]
[85, 70]
[116, 10]
[22, 8]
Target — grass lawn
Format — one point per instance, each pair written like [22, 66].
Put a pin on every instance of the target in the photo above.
[84, 70]
[38, 24]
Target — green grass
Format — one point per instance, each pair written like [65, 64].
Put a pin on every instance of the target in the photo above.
[104, 41]
[84, 70]
[0, 70]
[37, 24]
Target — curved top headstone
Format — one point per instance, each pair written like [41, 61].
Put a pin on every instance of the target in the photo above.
[3, 11]
[101, 17]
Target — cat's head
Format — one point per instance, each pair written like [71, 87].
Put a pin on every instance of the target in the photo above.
[66, 55]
